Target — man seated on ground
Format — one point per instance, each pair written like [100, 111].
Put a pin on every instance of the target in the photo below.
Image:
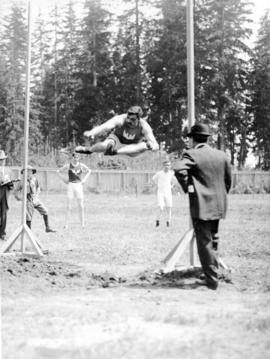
[130, 135]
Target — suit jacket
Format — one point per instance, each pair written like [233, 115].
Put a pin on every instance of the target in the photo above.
[205, 173]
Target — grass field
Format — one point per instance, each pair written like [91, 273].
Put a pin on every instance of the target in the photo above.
[96, 295]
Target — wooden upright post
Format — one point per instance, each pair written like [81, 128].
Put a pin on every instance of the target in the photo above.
[190, 64]
[23, 231]
[188, 240]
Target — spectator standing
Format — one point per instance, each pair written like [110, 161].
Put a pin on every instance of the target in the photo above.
[32, 199]
[164, 181]
[205, 173]
[78, 174]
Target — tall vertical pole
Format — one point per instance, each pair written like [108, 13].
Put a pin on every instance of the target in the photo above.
[190, 63]
[191, 95]
[23, 229]
[138, 61]
[26, 120]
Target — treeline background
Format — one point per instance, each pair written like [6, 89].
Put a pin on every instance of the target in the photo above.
[90, 61]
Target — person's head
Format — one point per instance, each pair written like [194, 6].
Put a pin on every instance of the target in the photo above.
[133, 116]
[2, 158]
[166, 165]
[199, 133]
[75, 157]
[30, 171]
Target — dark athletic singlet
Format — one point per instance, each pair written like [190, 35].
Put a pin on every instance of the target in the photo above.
[128, 135]
[74, 173]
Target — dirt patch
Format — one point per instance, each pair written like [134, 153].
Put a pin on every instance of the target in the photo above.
[26, 272]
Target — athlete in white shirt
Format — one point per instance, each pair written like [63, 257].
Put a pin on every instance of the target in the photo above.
[165, 181]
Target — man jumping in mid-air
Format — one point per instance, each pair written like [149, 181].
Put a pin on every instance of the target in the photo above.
[130, 135]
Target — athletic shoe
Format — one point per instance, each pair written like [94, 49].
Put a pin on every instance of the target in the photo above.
[82, 149]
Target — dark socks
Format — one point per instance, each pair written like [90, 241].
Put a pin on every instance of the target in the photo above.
[46, 221]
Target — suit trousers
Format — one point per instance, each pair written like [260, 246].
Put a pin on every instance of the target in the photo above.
[204, 232]
[3, 210]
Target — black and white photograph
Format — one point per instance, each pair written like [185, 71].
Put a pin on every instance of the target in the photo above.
[134, 179]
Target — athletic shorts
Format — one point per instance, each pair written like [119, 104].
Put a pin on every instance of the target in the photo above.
[164, 200]
[118, 144]
[75, 190]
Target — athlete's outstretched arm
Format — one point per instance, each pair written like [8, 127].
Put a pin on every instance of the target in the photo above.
[61, 171]
[150, 138]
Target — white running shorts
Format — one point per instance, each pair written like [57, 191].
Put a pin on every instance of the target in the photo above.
[164, 200]
[75, 190]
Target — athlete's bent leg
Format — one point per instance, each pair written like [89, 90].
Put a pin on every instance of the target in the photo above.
[133, 150]
[97, 147]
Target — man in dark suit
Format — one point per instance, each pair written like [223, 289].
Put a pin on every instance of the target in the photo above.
[205, 173]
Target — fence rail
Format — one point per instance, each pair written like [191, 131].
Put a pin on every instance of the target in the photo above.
[136, 181]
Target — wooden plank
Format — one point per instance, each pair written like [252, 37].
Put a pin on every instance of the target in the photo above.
[171, 259]
[11, 240]
[37, 246]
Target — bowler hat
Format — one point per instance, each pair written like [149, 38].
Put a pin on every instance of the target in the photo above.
[2, 155]
[199, 129]
[30, 168]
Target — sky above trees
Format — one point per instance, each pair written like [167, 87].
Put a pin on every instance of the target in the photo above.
[260, 6]
[118, 6]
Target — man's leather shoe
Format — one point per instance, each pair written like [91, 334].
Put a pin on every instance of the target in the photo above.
[50, 230]
[212, 286]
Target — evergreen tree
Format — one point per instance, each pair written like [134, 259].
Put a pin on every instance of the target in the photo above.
[129, 55]
[261, 93]
[13, 48]
[222, 63]
[166, 65]
[94, 73]
[66, 80]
